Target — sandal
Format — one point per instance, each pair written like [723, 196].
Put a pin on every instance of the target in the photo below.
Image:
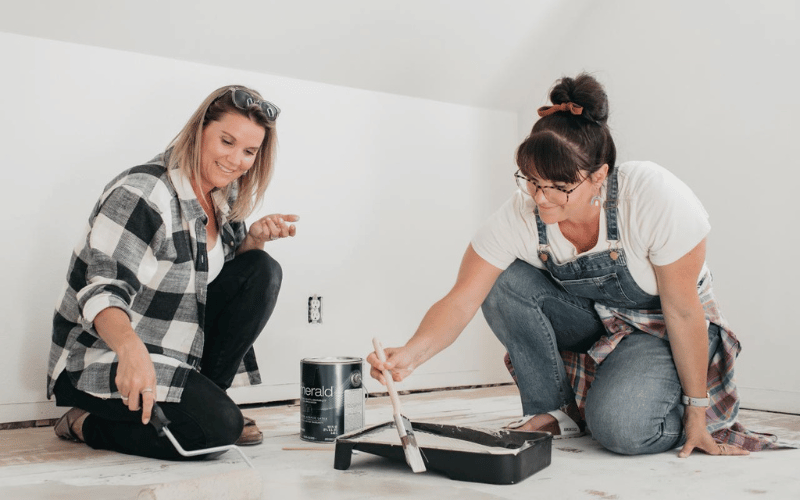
[251, 434]
[567, 427]
[63, 427]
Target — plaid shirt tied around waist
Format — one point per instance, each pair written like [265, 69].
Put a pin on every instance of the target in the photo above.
[721, 414]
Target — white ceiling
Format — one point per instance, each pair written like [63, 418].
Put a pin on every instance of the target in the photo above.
[476, 52]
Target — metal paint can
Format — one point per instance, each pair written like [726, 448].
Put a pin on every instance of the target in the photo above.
[331, 397]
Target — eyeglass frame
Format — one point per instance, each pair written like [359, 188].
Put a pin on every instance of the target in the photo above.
[270, 110]
[519, 175]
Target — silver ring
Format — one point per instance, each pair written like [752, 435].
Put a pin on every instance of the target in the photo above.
[148, 389]
[124, 397]
[273, 238]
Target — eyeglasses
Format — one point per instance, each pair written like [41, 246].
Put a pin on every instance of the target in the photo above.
[243, 100]
[554, 194]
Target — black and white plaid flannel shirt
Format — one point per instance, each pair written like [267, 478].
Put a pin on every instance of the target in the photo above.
[143, 251]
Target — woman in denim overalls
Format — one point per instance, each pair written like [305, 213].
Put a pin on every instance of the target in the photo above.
[640, 393]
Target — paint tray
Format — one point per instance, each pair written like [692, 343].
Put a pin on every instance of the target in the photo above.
[461, 453]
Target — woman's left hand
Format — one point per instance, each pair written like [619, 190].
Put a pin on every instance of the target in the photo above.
[698, 437]
[273, 227]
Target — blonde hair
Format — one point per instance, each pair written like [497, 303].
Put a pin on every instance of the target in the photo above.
[248, 190]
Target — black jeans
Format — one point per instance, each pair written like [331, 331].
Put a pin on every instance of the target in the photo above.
[240, 301]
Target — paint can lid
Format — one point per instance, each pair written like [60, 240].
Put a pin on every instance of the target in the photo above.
[332, 360]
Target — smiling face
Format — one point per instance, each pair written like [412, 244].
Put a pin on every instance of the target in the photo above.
[578, 208]
[228, 149]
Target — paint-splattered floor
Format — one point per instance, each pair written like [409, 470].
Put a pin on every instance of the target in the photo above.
[34, 464]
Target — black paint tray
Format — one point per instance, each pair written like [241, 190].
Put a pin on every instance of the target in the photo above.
[517, 455]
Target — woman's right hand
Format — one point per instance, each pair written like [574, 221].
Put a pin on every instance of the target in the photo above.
[399, 361]
[136, 378]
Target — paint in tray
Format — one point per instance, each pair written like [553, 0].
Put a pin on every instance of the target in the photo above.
[462, 453]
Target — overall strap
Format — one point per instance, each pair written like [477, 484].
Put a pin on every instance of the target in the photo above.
[541, 228]
[610, 206]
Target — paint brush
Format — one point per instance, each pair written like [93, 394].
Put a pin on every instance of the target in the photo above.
[410, 448]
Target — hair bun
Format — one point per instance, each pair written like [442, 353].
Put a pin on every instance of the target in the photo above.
[585, 91]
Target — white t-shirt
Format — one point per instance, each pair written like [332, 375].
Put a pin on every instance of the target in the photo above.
[659, 218]
[216, 259]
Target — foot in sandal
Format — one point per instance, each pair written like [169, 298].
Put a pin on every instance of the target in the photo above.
[251, 434]
[70, 425]
[562, 424]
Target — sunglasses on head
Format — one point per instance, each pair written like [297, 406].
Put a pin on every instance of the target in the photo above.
[243, 100]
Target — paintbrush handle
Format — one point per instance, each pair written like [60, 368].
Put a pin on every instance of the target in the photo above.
[403, 425]
[387, 375]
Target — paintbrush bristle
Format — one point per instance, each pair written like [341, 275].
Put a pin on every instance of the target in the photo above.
[410, 448]
[413, 453]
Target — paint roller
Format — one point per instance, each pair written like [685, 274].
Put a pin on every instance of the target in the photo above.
[236, 485]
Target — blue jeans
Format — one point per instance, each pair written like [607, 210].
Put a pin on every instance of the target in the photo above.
[633, 406]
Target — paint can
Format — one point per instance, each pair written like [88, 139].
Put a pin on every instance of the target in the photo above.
[331, 397]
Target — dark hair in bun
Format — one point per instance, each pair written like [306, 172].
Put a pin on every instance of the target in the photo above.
[562, 144]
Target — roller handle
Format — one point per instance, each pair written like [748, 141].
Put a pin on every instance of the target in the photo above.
[387, 375]
[158, 419]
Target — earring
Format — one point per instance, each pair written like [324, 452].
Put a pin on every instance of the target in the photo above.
[596, 200]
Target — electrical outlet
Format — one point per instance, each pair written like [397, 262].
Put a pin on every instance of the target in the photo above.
[315, 309]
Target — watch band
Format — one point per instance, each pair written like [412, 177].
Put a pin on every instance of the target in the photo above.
[687, 401]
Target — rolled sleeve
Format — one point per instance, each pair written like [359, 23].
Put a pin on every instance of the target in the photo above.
[93, 306]
[120, 252]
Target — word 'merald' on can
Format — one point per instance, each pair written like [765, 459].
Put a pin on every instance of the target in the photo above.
[331, 398]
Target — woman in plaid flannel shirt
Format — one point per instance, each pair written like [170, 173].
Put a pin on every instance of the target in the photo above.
[168, 290]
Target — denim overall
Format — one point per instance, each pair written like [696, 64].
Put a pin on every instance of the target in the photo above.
[603, 277]
[633, 404]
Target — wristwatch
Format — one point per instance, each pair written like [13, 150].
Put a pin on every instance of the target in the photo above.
[687, 401]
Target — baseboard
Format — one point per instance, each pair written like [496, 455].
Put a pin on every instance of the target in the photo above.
[752, 397]
[29, 412]
[419, 382]
[755, 398]
[43, 410]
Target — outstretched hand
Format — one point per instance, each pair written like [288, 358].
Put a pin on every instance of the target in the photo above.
[268, 228]
[698, 437]
[273, 227]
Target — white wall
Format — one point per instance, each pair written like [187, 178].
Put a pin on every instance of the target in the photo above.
[389, 190]
[709, 90]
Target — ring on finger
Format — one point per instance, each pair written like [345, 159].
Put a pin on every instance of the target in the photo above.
[271, 238]
[124, 398]
[147, 389]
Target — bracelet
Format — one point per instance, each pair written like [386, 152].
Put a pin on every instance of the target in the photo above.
[705, 402]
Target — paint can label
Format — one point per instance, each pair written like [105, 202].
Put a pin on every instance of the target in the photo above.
[331, 398]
